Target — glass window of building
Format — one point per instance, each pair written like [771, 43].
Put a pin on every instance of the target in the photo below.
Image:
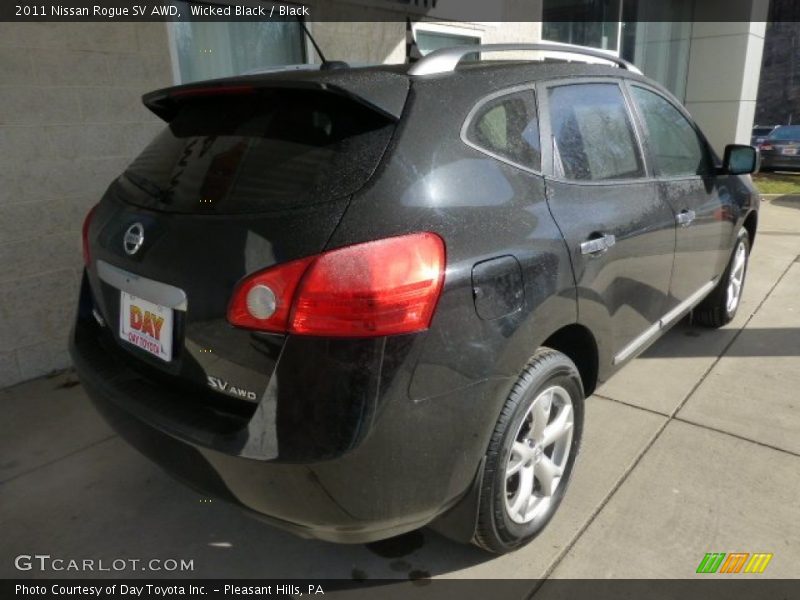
[428, 41]
[652, 34]
[207, 50]
[661, 51]
[593, 23]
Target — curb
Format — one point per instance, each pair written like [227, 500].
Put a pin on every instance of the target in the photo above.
[773, 196]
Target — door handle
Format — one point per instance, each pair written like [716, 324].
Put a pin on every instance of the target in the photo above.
[598, 245]
[686, 217]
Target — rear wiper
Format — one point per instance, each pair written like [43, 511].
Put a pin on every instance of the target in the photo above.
[147, 186]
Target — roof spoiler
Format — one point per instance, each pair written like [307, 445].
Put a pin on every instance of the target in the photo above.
[388, 98]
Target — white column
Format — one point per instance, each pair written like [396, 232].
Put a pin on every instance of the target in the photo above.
[724, 69]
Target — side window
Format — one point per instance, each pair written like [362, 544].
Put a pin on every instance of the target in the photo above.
[507, 127]
[593, 138]
[676, 148]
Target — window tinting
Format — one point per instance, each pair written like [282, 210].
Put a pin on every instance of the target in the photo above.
[674, 143]
[762, 130]
[592, 133]
[787, 132]
[507, 127]
[262, 151]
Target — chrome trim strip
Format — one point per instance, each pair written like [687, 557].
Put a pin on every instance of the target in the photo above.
[663, 322]
[446, 60]
[141, 287]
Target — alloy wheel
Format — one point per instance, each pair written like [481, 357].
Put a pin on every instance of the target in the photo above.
[736, 279]
[539, 455]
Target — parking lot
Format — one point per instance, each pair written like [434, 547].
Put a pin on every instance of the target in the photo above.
[692, 448]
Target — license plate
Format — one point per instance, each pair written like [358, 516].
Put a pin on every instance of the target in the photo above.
[790, 151]
[146, 325]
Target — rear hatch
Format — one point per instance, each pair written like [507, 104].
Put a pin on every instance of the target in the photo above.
[243, 177]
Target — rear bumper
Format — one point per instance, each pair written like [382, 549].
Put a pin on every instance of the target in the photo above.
[404, 464]
[779, 161]
[261, 489]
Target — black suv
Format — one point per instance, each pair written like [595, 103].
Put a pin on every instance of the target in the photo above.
[360, 301]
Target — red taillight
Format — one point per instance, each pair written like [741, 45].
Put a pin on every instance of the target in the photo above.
[379, 288]
[87, 221]
[386, 287]
[765, 147]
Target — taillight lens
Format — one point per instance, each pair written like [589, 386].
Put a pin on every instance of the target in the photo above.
[87, 222]
[765, 147]
[249, 297]
[379, 288]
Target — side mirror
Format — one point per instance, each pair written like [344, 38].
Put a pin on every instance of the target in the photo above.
[740, 160]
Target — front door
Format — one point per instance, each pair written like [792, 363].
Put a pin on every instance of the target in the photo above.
[620, 232]
[687, 182]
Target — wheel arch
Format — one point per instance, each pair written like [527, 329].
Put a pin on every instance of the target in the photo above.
[751, 225]
[578, 343]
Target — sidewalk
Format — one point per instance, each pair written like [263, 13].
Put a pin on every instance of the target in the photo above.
[693, 448]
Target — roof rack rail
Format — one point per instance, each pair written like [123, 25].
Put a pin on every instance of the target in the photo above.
[446, 60]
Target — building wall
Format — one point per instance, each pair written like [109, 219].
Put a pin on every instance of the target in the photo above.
[70, 119]
[724, 68]
[661, 50]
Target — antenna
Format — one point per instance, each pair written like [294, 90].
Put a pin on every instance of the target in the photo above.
[326, 64]
[413, 53]
[311, 38]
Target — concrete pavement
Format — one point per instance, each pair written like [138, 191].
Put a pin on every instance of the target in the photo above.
[693, 448]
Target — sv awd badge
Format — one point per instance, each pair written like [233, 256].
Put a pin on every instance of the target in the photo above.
[215, 383]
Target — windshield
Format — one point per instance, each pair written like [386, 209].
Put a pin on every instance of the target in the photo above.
[786, 133]
[262, 151]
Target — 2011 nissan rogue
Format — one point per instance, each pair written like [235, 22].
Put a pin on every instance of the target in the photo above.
[361, 301]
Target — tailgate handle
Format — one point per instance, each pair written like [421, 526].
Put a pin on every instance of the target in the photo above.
[142, 287]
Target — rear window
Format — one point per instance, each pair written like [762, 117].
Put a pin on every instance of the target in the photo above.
[507, 127]
[259, 151]
[786, 133]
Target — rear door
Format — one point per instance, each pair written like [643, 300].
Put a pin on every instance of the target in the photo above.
[687, 181]
[620, 233]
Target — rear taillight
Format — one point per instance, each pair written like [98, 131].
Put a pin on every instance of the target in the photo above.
[765, 147]
[248, 308]
[385, 287]
[87, 222]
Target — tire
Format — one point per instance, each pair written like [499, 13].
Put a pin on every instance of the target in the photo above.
[506, 520]
[719, 308]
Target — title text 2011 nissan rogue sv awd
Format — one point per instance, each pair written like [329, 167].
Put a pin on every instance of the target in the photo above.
[360, 301]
